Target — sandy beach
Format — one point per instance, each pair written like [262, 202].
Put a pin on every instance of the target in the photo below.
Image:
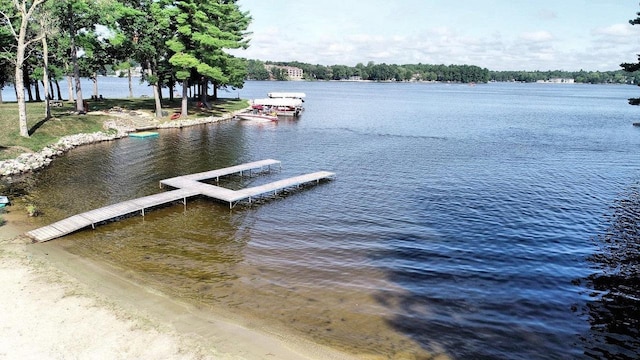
[59, 306]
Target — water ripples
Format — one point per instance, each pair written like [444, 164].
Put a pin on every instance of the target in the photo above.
[462, 230]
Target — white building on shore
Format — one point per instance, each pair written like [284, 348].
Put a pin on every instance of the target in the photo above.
[557, 81]
[293, 73]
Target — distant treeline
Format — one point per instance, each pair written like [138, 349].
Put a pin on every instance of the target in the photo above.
[425, 72]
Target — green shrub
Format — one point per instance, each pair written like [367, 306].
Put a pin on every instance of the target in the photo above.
[32, 210]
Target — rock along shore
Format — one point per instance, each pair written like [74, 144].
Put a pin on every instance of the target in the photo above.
[114, 129]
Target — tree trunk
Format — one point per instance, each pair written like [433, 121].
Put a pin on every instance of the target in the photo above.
[76, 77]
[70, 86]
[36, 87]
[76, 67]
[156, 95]
[1, 102]
[45, 77]
[95, 85]
[215, 91]
[204, 98]
[130, 81]
[185, 97]
[160, 81]
[22, 105]
[58, 89]
[27, 82]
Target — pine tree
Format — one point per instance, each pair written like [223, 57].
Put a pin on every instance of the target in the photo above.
[202, 32]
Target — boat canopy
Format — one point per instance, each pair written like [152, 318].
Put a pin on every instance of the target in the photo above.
[278, 102]
[293, 95]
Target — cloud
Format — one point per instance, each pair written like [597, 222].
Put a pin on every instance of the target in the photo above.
[537, 36]
[546, 14]
[616, 30]
[598, 49]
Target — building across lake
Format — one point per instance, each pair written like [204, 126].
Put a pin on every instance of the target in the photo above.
[293, 73]
[557, 81]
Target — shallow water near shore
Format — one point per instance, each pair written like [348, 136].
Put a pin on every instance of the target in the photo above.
[467, 221]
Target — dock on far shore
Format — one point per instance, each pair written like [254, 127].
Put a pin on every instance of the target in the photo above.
[184, 187]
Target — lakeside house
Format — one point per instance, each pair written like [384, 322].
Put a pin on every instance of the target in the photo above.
[557, 81]
[293, 73]
[135, 72]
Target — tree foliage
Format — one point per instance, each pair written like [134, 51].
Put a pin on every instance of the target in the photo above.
[444, 73]
[5, 64]
[375, 72]
[172, 39]
[633, 67]
[201, 31]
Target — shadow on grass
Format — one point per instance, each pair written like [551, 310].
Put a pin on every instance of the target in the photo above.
[37, 125]
[218, 107]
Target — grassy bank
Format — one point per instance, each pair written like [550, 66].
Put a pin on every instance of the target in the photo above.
[64, 121]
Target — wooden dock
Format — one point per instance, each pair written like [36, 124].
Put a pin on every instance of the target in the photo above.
[186, 186]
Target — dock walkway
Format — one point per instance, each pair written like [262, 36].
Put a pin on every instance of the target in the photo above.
[186, 186]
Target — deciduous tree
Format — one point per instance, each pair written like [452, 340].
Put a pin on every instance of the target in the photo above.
[17, 17]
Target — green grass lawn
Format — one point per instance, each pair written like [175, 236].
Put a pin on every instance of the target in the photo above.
[64, 121]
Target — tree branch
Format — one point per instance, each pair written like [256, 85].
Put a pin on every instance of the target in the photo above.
[35, 39]
[13, 31]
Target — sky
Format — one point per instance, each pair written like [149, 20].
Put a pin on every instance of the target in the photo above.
[496, 34]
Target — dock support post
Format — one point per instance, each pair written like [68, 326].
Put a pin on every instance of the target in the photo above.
[142, 212]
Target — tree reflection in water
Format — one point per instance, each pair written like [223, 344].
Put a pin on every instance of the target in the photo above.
[614, 309]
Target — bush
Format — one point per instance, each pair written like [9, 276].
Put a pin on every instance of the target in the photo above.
[32, 210]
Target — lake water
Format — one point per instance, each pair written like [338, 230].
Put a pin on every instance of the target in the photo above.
[109, 87]
[495, 221]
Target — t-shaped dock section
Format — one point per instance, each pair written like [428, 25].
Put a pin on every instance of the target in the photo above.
[186, 186]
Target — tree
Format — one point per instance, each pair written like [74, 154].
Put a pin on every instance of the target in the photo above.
[201, 33]
[140, 30]
[633, 67]
[77, 20]
[18, 24]
[5, 65]
[256, 70]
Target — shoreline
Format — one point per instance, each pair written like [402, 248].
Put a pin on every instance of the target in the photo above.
[57, 299]
[115, 127]
[65, 306]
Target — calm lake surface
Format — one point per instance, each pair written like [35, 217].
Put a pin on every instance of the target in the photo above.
[495, 221]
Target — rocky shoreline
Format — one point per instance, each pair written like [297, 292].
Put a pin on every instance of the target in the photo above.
[114, 129]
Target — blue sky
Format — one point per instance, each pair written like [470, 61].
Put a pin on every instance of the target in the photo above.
[496, 34]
